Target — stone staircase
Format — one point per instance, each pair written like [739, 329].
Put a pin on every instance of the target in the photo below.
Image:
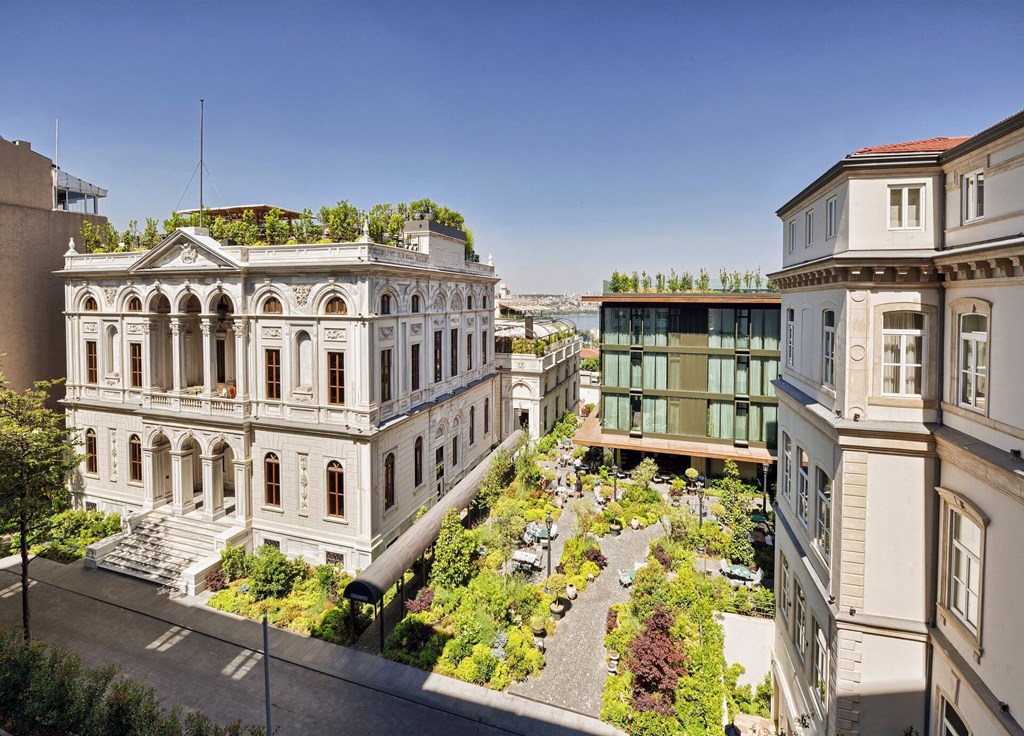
[161, 547]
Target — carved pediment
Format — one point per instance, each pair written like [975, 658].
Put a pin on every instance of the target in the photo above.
[183, 250]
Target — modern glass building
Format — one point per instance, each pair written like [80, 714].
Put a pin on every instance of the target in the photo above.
[689, 374]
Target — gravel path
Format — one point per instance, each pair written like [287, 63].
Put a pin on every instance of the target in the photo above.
[574, 674]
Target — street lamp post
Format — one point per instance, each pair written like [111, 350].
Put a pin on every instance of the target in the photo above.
[700, 499]
[547, 522]
[764, 488]
[615, 482]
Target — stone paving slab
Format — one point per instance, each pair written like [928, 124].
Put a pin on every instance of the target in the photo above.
[210, 660]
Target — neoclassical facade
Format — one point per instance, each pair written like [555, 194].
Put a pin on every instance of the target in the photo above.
[901, 490]
[313, 396]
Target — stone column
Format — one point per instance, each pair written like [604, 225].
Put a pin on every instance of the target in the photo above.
[241, 364]
[243, 489]
[150, 481]
[181, 481]
[176, 353]
[147, 357]
[213, 486]
[230, 372]
[209, 356]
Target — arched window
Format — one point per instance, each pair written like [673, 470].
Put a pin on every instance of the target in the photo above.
[389, 480]
[89, 305]
[91, 464]
[304, 376]
[415, 303]
[134, 304]
[135, 459]
[336, 306]
[469, 302]
[472, 424]
[271, 480]
[385, 304]
[335, 489]
[272, 306]
[487, 414]
[112, 364]
[418, 461]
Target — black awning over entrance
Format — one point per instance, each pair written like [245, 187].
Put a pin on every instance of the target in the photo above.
[386, 570]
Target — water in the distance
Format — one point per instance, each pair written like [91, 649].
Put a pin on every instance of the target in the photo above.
[585, 321]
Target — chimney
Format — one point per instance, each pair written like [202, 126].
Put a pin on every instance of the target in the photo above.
[528, 326]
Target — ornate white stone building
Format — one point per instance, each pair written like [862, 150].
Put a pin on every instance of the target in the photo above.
[901, 425]
[308, 396]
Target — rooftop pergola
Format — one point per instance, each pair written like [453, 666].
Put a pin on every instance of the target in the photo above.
[388, 569]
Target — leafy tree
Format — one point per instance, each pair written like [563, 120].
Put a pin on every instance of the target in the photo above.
[150, 234]
[591, 364]
[686, 281]
[453, 553]
[704, 281]
[723, 276]
[498, 475]
[341, 223]
[36, 456]
[657, 662]
[275, 227]
[758, 279]
[305, 229]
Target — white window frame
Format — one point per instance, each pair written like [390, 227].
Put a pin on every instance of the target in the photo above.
[792, 235]
[902, 365]
[790, 335]
[972, 197]
[950, 729]
[828, 349]
[784, 599]
[831, 217]
[809, 228]
[968, 623]
[787, 465]
[819, 663]
[904, 206]
[803, 482]
[823, 512]
[966, 577]
[974, 371]
[800, 621]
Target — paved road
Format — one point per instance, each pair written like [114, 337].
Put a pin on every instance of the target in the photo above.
[208, 660]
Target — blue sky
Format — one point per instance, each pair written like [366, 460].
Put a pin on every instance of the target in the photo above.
[575, 137]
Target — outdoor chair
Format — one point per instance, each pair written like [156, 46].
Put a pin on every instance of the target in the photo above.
[724, 567]
[758, 577]
[736, 583]
[624, 579]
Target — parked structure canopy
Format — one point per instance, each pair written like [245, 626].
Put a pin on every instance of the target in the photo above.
[386, 570]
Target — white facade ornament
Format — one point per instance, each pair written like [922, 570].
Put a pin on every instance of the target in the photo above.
[303, 485]
[365, 237]
[301, 293]
[490, 259]
[417, 329]
[272, 332]
[189, 253]
[71, 247]
[135, 329]
[89, 327]
[335, 334]
[110, 292]
[113, 456]
[386, 333]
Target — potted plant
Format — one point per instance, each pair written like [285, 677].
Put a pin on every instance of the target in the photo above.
[557, 584]
[614, 526]
[691, 478]
[537, 625]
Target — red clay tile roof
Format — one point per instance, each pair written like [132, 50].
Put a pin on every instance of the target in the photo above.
[590, 353]
[928, 145]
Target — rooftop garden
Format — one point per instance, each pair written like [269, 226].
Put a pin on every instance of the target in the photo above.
[537, 346]
[659, 283]
[340, 223]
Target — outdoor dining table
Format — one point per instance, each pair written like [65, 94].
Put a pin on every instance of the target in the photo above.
[758, 518]
[525, 560]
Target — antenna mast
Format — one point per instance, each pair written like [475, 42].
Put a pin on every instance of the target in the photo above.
[200, 163]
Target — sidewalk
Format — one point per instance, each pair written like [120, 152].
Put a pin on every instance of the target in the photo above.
[209, 660]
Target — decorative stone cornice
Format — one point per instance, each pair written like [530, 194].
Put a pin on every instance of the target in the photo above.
[876, 271]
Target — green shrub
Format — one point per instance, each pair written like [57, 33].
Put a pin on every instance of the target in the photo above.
[65, 536]
[500, 678]
[234, 562]
[272, 575]
[453, 553]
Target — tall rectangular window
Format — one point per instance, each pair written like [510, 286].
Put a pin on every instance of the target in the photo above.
[335, 489]
[273, 373]
[784, 599]
[469, 351]
[965, 568]
[823, 518]
[91, 364]
[335, 378]
[385, 375]
[828, 348]
[973, 360]
[455, 451]
[902, 347]
[453, 367]
[809, 229]
[905, 207]
[972, 197]
[790, 336]
[792, 235]
[135, 364]
[803, 483]
[135, 459]
[787, 465]
[437, 356]
[831, 218]
[483, 348]
[820, 661]
[91, 460]
[414, 365]
[800, 621]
